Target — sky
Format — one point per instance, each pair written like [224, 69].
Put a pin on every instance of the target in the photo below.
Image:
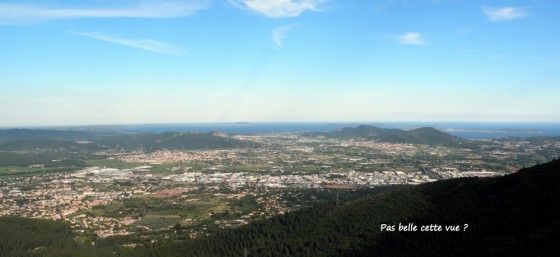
[95, 62]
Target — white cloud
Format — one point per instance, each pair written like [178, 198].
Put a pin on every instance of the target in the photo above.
[504, 13]
[144, 44]
[278, 8]
[278, 34]
[410, 38]
[26, 13]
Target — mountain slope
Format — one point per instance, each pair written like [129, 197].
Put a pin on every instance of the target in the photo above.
[21, 237]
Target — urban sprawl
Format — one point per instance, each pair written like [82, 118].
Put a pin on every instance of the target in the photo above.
[126, 192]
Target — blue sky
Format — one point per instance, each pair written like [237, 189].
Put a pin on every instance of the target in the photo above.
[172, 61]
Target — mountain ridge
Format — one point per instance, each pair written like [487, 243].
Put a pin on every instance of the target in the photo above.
[173, 140]
[25, 140]
[423, 135]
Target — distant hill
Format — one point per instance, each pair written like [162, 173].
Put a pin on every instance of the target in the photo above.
[173, 140]
[19, 134]
[425, 135]
[31, 139]
[39, 143]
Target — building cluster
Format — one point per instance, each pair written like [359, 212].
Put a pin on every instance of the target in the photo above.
[167, 156]
[70, 196]
[352, 178]
[66, 197]
[284, 161]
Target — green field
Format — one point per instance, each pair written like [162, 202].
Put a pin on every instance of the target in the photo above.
[118, 164]
[27, 171]
[247, 168]
[199, 208]
[113, 163]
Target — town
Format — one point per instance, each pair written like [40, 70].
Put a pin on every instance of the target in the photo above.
[170, 192]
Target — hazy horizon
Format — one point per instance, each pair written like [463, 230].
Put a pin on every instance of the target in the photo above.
[67, 63]
[323, 122]
[351, 122]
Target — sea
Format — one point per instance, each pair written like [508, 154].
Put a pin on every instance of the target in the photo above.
[468, 130]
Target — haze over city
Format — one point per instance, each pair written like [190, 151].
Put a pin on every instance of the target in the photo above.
[115, 62]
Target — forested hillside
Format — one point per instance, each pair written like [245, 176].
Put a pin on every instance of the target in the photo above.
[21, 237]
[172, 140]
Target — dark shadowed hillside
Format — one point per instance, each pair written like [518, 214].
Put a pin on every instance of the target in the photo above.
[21, 237]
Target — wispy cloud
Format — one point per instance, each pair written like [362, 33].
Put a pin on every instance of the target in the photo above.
[504, 13]
[278, 34]
[29, 13]
[144, 44]
[278, 8]
[410, 38]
